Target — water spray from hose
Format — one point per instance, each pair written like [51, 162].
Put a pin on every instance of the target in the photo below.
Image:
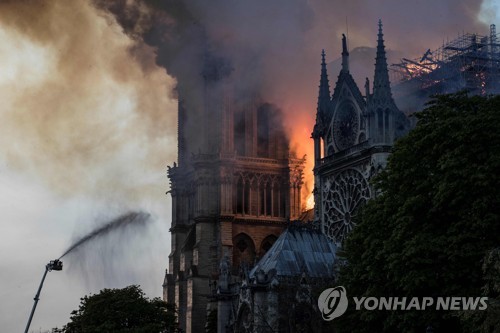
[133, 218]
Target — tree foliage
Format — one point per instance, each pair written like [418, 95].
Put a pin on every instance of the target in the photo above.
[122, 310]
[434, 223]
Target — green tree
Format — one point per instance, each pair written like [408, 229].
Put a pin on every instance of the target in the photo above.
[122, 310]
[435, 220]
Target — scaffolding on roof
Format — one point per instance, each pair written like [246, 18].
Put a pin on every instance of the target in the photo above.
[470, 62]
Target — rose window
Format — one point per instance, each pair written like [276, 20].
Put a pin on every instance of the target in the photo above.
[343, 194]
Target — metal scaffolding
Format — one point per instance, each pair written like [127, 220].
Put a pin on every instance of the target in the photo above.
[470, 62]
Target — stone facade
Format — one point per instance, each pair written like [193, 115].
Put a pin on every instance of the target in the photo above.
[233, 188]
[353, 137]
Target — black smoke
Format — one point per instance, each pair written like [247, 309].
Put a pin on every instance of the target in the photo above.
[274, 46]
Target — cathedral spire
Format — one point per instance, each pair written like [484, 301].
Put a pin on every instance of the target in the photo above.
[324, 88]
[345, 55]
[381, 84]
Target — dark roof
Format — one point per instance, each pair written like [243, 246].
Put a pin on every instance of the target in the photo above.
[299, 249]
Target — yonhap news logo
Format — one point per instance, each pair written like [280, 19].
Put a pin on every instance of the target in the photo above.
[333, 303]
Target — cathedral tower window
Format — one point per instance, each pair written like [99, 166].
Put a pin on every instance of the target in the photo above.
[269, 198]
[386, 132]
[380, 117]
[242, 196]
[276, 200]
[284, 198]
[265, 199]
[262, 199]
[263, 131]
[239, 132]
[243, 250]
[266, 244]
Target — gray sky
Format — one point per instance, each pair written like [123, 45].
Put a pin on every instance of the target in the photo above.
[88, 125]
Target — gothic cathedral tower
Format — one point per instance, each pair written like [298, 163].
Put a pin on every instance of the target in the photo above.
[233, 189]
[353, 137]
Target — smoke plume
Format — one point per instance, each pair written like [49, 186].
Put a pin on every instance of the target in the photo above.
[88, 110]
[83, 107]
[87, 128]
[273, 48]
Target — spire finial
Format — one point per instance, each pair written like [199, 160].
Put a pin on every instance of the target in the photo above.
[324, 87]
[380, 39]
[345, 55]
[381, 84]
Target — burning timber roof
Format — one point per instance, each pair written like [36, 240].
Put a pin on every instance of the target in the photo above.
[299, 249]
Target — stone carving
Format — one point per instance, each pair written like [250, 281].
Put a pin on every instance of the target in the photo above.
[343, 194]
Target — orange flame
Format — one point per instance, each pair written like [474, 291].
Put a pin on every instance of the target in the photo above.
[301, 143]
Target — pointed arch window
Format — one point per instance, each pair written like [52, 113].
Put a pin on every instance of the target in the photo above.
[239, 132]
[276, 199]
[262, 198]
[269, 198]
[242, 196]
[263, 131]
[380, 119]
[243, 250]
[266, 244]
[386, 132]
[265, 198]
[239, 196]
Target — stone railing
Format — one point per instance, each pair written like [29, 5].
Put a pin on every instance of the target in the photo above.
[257, 160]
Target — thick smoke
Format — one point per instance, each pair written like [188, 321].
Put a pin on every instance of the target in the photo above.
[276, 44]
[84, 108]
[273, 47]
[79, 104]
[87, 128]
[251, 40]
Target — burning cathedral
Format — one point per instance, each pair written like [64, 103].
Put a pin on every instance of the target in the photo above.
[234, 188]
[237, 263]
[353, 137]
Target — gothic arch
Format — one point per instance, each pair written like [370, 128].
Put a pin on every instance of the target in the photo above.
[276, 198]
[242, 202]
[380, 123]
[265, 194]
[270, 195]
[243, 250]
[266, 244]
[387, 127]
